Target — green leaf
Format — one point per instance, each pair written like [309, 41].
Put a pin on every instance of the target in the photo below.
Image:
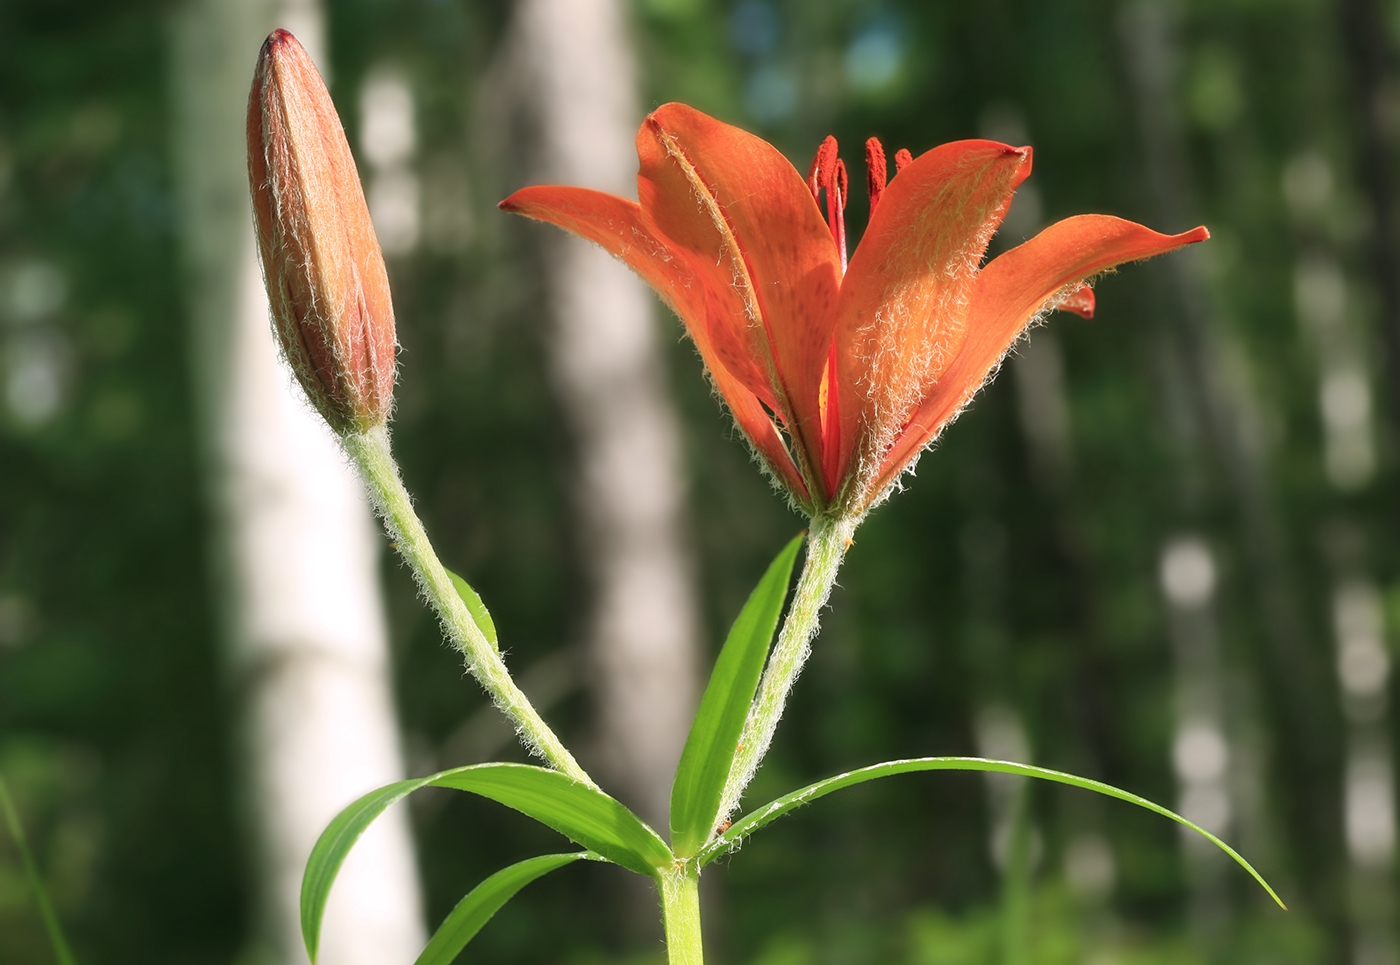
[483, 901]
[714, 737]
[61, 950]
[751, 822]
[480, 615]
[581, 813]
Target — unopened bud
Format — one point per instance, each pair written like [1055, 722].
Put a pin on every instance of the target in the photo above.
[321, 262]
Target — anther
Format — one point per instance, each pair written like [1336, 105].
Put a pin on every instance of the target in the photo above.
[828, 173]
[821, 165]
[876, 170]
[902, 159]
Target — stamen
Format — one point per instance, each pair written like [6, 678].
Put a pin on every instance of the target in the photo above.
[876, 170]
[821, 164]
[902, 159]
[828, 173]
[836, 212]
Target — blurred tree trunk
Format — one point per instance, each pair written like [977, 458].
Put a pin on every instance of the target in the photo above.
[572, 66]
[1358, 620]
[575, 61]
[1217, 423]
[294, 544]
[1371, 60]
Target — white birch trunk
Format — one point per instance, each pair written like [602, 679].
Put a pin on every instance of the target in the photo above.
[295, 546]
[576, 62]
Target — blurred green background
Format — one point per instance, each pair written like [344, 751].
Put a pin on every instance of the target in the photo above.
[1212, 458]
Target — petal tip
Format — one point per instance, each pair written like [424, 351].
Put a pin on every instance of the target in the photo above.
[516, 203]
[672, 111]
[1024, 156]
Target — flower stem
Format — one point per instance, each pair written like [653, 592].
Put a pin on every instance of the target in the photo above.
[826, 547]
[370, 452]
[680, 908]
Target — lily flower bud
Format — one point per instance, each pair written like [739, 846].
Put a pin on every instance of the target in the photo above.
[325, 276]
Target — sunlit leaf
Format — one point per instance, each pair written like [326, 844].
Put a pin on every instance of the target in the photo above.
[483, 901]
[480, 615]
[751, 822]
[709, 750]
[579, 812]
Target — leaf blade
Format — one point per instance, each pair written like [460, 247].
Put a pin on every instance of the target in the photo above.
[477, 608]
[327, 855]
[61, 949]
[777, 808]
[480, 904]
[719, 721]
[579, 812]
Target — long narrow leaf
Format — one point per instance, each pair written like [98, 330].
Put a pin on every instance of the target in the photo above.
[483, 901]
[330, 850]
[476, 608]
[775, 809]
[61, 950]
[714, 737]
[581, 813]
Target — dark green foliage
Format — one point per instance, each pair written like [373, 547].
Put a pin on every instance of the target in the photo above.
[993, 580]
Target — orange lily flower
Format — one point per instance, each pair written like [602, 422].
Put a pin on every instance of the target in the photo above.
[839, 377]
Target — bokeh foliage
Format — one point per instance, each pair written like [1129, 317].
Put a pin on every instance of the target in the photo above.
[990, 581]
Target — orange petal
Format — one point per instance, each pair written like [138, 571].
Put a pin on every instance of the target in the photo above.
[617, 225]
[902, 313]
[1074, 298]
[1006, 295]
[747, 218]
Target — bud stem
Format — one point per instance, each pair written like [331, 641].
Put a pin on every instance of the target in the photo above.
[369, 451]
[827, 540]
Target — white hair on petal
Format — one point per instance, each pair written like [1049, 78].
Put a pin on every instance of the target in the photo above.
[1036, 318]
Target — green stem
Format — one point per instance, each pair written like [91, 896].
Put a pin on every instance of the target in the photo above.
[826, 547]
[370, 452]
[680, 908]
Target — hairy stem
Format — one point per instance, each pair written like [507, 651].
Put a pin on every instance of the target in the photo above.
[370, 453]
[680, 907]
[826, 547]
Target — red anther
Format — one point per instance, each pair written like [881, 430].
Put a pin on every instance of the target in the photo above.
[828, 173]
[876, 170]
[902, 159]
[822, 164]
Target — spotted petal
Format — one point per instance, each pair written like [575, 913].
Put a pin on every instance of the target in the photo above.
[902, 316]
[1006, 295]
[618, 226]
[747, 219]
